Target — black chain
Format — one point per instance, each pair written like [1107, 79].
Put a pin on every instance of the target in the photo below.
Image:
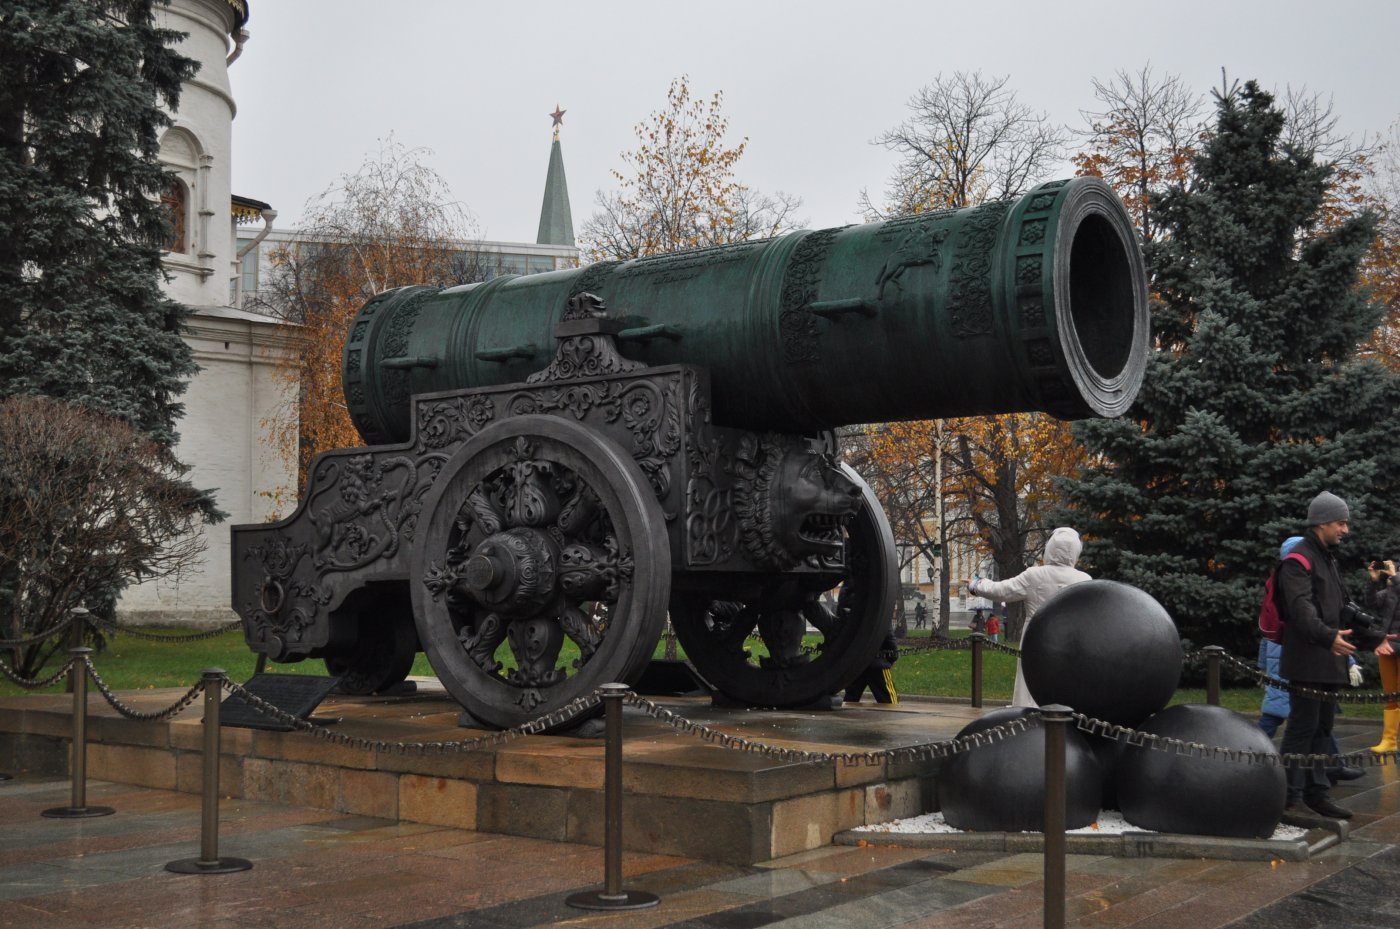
[38, 636]
[955, 746]
[1141, 739]
[34, 684]
[560, 716]
[939, 643]
[925, 751]
[1264, 679]
[115, 629]
[155, 716]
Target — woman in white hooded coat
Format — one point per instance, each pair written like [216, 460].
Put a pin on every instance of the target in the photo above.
[1034, 586]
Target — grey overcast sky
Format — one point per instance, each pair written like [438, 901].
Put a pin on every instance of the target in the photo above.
[809, 83]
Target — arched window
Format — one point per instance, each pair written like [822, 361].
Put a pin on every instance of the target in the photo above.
[176, 203]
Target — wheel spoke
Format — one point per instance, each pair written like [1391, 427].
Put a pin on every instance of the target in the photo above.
[796, 671]
[540, 536]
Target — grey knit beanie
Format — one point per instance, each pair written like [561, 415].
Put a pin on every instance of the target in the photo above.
[1326, 508]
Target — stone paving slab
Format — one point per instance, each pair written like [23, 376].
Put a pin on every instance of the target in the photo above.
[332, 870]
[1126, 845]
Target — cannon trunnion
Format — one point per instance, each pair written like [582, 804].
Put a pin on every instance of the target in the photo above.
[529, 517]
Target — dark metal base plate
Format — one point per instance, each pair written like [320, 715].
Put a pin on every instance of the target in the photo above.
[217, 866]
[662, 678]
[627, 900]
[84, 812]
[294, 694]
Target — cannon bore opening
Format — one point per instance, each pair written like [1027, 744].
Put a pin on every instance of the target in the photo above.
[1101, 285]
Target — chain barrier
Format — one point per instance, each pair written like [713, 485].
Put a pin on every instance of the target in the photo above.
[922, 752]
[1264, 679]
[954, 746]
[37, 637]
[564, 714]
[925, 751]
[190, 696]
[115, 629]
[939, 643]
[1139, 739]
[32, 684]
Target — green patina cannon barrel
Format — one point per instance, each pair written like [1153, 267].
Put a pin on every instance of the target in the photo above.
[1037, 303]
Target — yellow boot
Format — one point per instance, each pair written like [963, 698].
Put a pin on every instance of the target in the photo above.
[1389, 730]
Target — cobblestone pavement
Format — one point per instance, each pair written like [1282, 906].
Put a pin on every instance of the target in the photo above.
[329, 870]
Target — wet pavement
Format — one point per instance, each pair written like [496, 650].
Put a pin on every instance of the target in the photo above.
[313, 867]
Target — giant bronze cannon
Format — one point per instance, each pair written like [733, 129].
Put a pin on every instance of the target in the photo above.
[557, 461]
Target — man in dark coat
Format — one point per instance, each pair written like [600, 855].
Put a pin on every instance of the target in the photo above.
[1315, 649]
[878, 676]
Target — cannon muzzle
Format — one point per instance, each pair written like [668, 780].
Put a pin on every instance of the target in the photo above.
[1038, 303]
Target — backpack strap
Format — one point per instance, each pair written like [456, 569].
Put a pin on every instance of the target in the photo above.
[1301, 559]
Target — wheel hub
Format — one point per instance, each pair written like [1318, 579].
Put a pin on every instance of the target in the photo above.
[513, 572]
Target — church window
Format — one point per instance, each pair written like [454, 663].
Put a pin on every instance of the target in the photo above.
[176, 202]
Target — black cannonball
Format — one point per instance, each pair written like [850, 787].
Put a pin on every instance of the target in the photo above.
[1106, 754]
[1170, 792]
[1104, 649]
[1000, 786]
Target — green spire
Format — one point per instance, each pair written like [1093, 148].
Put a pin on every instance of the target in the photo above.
[556, 222]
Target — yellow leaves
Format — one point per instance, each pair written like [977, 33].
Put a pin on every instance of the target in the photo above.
[392, 224]
[678, 188]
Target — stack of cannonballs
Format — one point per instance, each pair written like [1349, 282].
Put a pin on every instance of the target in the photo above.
[1111, 652]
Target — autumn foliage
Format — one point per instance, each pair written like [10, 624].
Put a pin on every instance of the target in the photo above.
[88, 505]
[391, 224]
[677, 188]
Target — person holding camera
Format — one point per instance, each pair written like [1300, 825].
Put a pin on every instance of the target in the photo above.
[1383, 596]
[1315, 650]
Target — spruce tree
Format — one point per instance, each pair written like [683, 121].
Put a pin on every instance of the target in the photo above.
[1254, 400]
[82, 231]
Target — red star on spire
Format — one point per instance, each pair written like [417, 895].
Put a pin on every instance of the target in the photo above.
[558, 115]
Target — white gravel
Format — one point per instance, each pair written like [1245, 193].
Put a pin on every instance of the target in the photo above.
[1110, 822]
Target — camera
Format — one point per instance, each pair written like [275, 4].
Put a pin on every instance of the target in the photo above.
[1366, 630]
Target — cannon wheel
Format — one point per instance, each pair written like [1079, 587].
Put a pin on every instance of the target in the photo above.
[384, 650]
[714, 629]
[538, 530]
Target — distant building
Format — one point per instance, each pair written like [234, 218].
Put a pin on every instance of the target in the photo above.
[218, 264]
[553, 250]
[496, 258]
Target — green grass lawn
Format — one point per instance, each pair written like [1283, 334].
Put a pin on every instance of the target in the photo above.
[130, 663]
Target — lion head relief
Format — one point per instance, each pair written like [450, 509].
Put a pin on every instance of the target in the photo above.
[791, 502]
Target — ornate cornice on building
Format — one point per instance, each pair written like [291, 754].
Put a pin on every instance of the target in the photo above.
[247, 210]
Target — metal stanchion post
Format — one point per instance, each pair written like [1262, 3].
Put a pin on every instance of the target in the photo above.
[1213, 653]
[1055, 718]
[77, 629]
[613, 897]
[77, 807]
[209, 861]
[977, 639]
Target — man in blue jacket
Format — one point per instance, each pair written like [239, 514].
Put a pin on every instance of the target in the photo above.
[1315, 650]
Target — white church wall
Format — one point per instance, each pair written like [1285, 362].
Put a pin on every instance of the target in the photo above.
[222, 439]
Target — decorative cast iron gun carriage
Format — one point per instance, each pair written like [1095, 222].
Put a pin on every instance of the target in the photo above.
[556, 461]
